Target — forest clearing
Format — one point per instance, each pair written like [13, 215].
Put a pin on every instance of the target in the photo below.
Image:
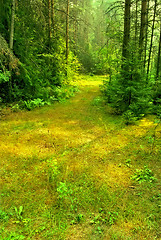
[69, 171]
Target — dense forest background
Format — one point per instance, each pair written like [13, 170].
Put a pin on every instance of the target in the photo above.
[46, 43]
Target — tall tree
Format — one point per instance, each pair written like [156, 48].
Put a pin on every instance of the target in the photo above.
[146, 33]
[53, 15]
[49, 22]
[67, 32]
[136, 21]
[11, 47]
[142, 27]
[12, 25]
[126, 37]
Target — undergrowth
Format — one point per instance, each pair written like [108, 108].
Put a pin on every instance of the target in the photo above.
[59, 94]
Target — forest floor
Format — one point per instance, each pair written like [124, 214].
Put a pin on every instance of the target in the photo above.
[66, 172]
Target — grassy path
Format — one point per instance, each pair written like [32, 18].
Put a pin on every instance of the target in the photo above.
[65, 172]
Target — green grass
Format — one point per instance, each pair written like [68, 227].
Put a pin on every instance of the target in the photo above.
[75, 171]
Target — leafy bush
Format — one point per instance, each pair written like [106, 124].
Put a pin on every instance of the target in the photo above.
[143, 175]
[65, 92]
[31, 104]
[59, 94]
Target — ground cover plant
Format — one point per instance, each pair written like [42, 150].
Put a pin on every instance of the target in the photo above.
[74, 170]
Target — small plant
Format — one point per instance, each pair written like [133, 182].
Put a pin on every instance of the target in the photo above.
[128, 162]
[143, 175]
[112, 217]
[16, 108]
[31, 104]
[129, 117]
[96, 101]
[53, 171]
[99, 230]
[3, 216]
[96, 220]
[19, 212]
[66, 194]
[14, 236]
[63, 190]
[103, 217]
[77, 219]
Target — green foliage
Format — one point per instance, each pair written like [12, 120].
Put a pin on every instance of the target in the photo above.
[129, 117]
[4, 77]
[49, 96]
[112, 217]
[77, 219]
[128, 92]
[105, 218]
[97, 101]
[63, 190]
[41, 66]
[143, 175]
[53, 170]
[31, 104]
[19, 212]
[64, 92]
[14, 236]
[3, 216]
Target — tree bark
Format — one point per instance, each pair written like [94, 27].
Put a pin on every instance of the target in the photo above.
[11, 47]
[136, 22]
[158, 59]
[67, 32]
[53, 15]
[49, 22]
[126, 38]
[146, 34]
[12, 25]
[151, 42]
[142, 27]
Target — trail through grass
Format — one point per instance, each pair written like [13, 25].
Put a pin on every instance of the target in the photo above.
[69, 171]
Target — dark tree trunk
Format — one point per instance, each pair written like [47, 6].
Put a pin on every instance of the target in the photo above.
[136, 22]
[53, 16]
[142, 27]
[49, 22]
[126, 38]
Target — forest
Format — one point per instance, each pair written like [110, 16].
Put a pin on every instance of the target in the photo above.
[57, 40]
[80, 114]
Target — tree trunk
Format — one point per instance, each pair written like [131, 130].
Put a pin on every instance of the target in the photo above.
[11, 47]
[49, 22]
[126, 38]
[158, 59]
[67, 32]
[12, 25]
[142, 27]
[136, 23]
[146, 34]
[151, 42]
[53, 15]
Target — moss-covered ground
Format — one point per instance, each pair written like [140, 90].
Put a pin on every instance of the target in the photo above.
[69, 171]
